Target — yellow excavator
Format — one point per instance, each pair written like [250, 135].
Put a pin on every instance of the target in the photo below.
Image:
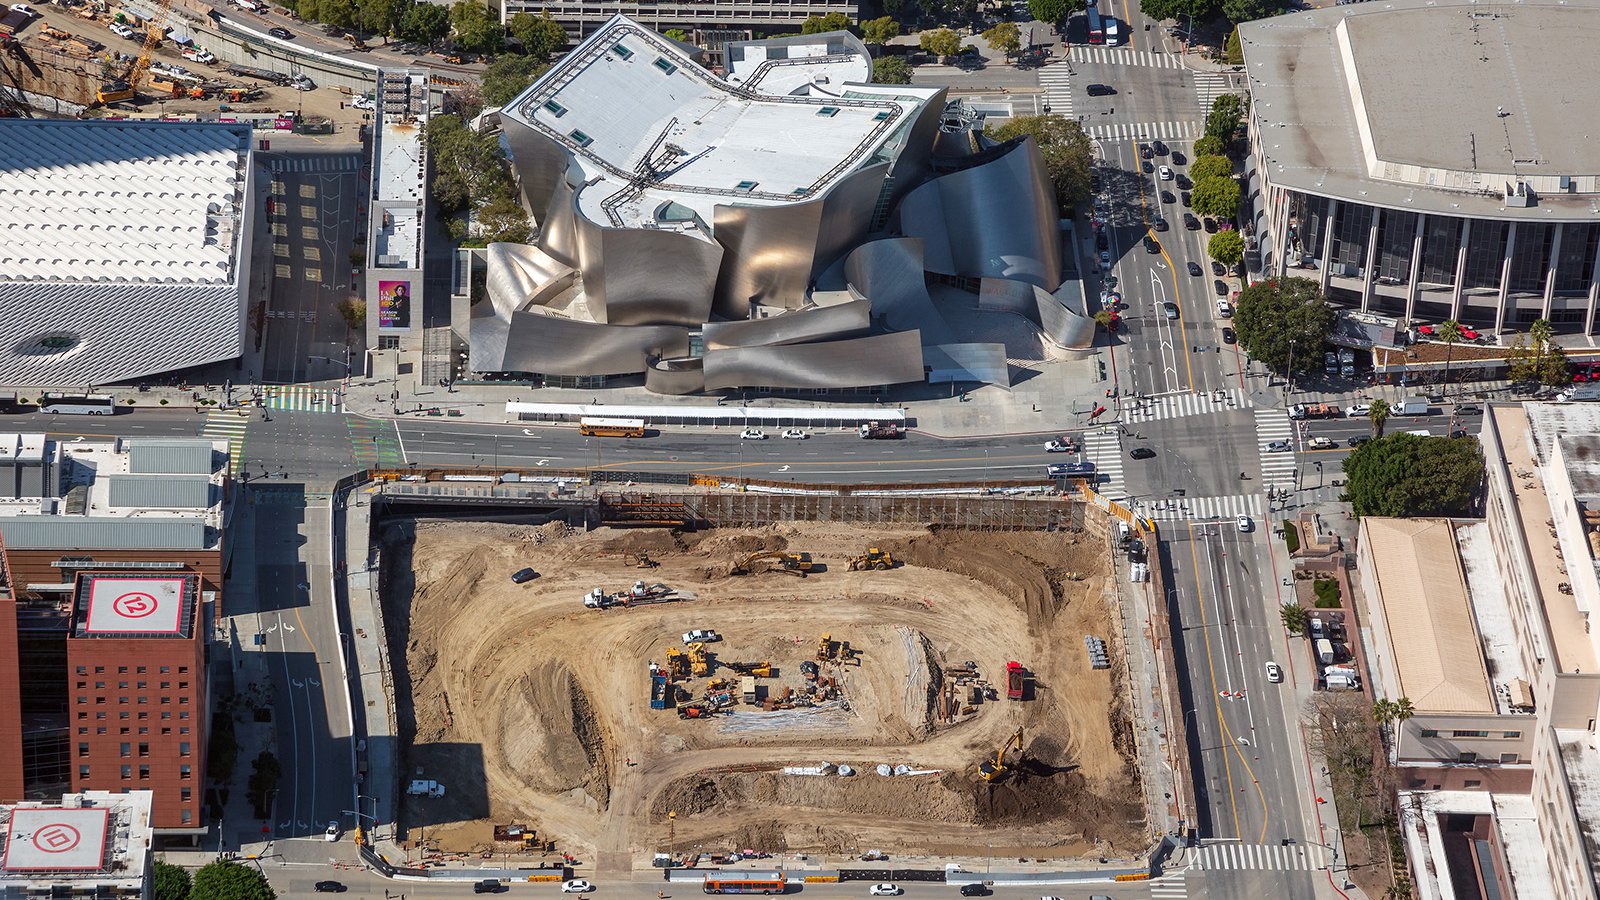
[996, 769]
[872, 559]
[118, 89]
[792, 563]
[699, 661]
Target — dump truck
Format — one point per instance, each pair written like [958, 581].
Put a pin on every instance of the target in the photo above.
[874, 558]
[880, 431]
[1016, 680]
[658, 689]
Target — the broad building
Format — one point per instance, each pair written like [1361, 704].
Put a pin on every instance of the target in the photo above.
[124, 248]
[1431, 159]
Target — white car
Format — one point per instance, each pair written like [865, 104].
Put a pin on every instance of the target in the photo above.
[794, 434]
[1058, 447]
[332, 834]
[1322, 443]
[1357, 410]
[885, 890]
[24, 9]
[576, 886]
[1165, 173]
[1279, 447]
[1247, 524]
[1274, 673]
[364, 102]
[752, 434]
[703, 635]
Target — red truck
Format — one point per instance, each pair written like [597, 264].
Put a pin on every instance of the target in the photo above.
[1016, 680]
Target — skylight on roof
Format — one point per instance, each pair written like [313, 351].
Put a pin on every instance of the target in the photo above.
[555, 108]
[665, 65]
[829, 111]
[621, 51]
[579, 138]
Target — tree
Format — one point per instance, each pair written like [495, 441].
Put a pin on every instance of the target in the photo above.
[383, 17]
[1378, 414]
[469, 169]
[1222, 122]
[1104, 318]
[880, 31]
[941, 42]
[676, 34]
[424, 23]
[227, 880]
[1294, 617]
[1275, 317]
[1388, 712]
[1226, 247]
[1232, 52]
[539, 35]
[354, 312]
[263, 781]
[1210, 166]
[1209, 146]
[1215, 197]
[1540, 362]
[1450, 333]
[891, 70]
[475, 28]
[504, 220]
[509, 76]
[1184, 11]
[1250, 10]
[1065, 148]
[834, 21]
[1340, 729]
[1004, 37]
[170, 882]
[1408, 475]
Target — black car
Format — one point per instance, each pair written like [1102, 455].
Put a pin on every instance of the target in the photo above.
[1101, 242]
[1218, 269]
[1160, 148]
[1166, 197]
[1221, 287]
[1358, 440]
[328, 887]
[1178, 158]
[486, 886]
[1142, 453]
[1183, 181]
[1159, 224]
[974, 890]
[1468, 410]
[1151, 245]
[1190, 222]
[282, 34]
[1101, 90]
[1458, 432]
[1145, 152]
[1211, 225]
[1228, 337]
[523, 576]
[1148, 167]
[1185, 197]
[1194, 269]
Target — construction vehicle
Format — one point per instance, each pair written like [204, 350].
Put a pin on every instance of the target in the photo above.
[791, 563]
[241, 95]
[660, 691]
[761, 669]
[1315, 411]
[154, 32]
[355, 42]
[699, 660]
[880, 431]
[996, 769]
[747, 689]
[638, 595]
[826, 648]
[695, 711]
[872, 559]
[113, 91]
[677, 663]
[1016, 680]
[645, 562]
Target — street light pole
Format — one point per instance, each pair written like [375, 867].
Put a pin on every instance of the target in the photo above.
[1288, 386]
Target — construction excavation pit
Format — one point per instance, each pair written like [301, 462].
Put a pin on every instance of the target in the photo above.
[942, 693]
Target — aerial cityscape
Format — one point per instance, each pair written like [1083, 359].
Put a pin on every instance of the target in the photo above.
[1074, 449]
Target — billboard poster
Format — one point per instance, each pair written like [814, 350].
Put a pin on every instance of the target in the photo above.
[394, 304]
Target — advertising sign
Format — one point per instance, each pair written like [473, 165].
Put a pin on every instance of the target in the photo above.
[394, 304]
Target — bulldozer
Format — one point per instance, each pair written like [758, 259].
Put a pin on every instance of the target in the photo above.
[791, 563]
[677, 663]
[874, 558]
[645, 562]
[826, 648]
[994, 770]
[699, 660]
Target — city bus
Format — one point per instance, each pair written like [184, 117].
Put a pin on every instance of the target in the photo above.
[79, 404]
[598, 427]
[755, 884]
[1097, 30]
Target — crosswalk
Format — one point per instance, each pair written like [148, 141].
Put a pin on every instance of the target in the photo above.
[1056, 80]
[322, 162]
[1121, 56]
[374, 444]
[1202, 509]
[1104, 449]
[1147, 131]
[230, 426]
[1208, 86]
[1268, 857]
[1170, 887]
[299, 398]
[1176, 406]
[1277, 466]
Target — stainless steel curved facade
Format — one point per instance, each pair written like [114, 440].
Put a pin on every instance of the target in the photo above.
[997, 218]
[861, 362]
[822, 323]
[645, 276]
[553, 345]
[889, 273]
[519, 275]
[1058, 324]
[678, 376]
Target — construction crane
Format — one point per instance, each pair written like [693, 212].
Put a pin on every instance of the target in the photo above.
[792, 563]
[996, 769]
[872, 559]
[113, 91]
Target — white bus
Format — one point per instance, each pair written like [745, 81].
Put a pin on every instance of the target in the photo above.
[79, 404]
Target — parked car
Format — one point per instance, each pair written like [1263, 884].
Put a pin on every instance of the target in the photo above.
[1224, 308]
[1228, 337]
[752, 434]
[974, 890]
[1274, 672]
[794, 434]
[282, 34]
[1218, 269]
[490, 886]
[703, 635]
[1185, 197]
[1105, 259]
[523, 576]
[884, 890]
[121, 30]
[364, 102]
[25, 9]
[1330, 363]
[1357, 410]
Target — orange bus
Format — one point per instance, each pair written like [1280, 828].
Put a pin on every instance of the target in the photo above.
[753, 885]
[597, 427]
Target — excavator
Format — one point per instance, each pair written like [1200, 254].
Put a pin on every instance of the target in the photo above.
[874, 558]
[996, 769]
[116, 90]
[699, 660]
[792, 563]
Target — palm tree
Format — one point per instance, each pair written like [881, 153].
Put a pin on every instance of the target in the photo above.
[1377, 414]
[1541, 331]
[1450, 333]
[1294, 617]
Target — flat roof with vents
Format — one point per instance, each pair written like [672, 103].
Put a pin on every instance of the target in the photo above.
[51, 840]
[135, 605]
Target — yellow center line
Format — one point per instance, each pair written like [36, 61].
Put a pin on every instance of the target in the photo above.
[1217, 703]
[1177, 297]
[1129, 20]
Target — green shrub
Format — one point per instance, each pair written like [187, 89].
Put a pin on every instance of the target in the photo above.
[1327, 591]
[1291, 536]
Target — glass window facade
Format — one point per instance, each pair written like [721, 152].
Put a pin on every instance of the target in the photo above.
[1575, 258]
[1486, 252]
[1530, 257]
[1397, 231]
[1352, 230]
[1441, 243]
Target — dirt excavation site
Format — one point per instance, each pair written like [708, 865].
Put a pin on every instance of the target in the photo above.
[532, 708]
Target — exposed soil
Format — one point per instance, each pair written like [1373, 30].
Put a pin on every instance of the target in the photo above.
[549, 701]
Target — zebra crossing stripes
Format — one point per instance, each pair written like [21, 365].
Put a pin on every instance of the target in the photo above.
[1056, 79]
[299, 398]
[1208, 86]
[1202, 509]
[375, 444]
[1121, 56]
[1170, 887]
[1261, 857]
[1146, 131]
[228, 426]
[322, 162]
[1105, 451]
[1277, 466]
[1176, 406]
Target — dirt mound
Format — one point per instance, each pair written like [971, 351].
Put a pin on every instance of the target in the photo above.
[1026, 798]
[865, 795]
[542, 731]
[1031, 566]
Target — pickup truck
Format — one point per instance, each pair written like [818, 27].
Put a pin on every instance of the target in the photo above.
[1321, 443]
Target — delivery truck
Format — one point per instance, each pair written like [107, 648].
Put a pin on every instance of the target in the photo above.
[1411, 406]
